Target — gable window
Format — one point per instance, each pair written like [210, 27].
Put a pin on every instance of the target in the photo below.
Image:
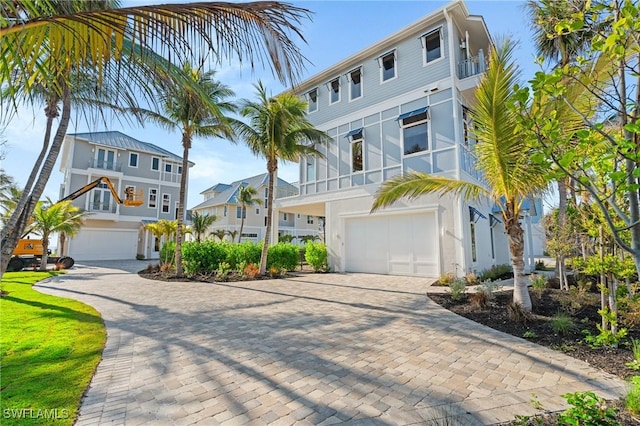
[312, 99]
[166, 203]
[153, 195]
[356, 138]
[387, 64]
[241, 213]
[431, 46]
[334, 91]
[133, 159]
[355, 84]
[310, 220]
[415, 130]
[155, 163]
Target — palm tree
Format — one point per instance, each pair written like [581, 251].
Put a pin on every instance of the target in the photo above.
[502, 156]
[277, 130]
[219, 233]
[232, 234]
[10, 195]
[164, 230]
[246, 196]
[200, 223]
[195, 113]
[54, 43]
[59, 217]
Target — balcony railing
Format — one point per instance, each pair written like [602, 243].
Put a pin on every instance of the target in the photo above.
[472, 66]
[102, 207]
[105, 165]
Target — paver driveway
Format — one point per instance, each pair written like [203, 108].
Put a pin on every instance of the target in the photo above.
[314, 349]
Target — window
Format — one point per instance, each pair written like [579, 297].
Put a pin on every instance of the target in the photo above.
[415, 131]
[356, 149]
[387, 64]
[285, 216]
[355, 85]
[133, 159]
[311, 169]
[309, 220]
[101, 198]
[155, 163]
[312, 98]
[431, 46]
[257, 210]
[466, 127]
[334, 91]
[241, 213]
[153, 195]
[474, 256]
[177, 206]
[179, 170]
[166, 203]
[266, 198]
[224, 212]
[105, 159]
[168, 168]
[265, 221]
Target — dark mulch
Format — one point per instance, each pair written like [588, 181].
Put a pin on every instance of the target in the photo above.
[583, 310]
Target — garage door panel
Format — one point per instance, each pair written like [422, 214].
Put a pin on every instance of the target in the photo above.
[104, 245]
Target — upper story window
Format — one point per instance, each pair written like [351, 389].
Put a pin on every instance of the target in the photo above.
[312, 99]
[179, 170]
[168, 167]
[356, 138]
[387, 64]
[106, 159]
[166, 203]
[133, 159]
[334, 91]
[155, 163]
[415, 130]
[153, 194]
[310, 166]
[224, 211]
[285, 216]
[241, 212]
[355, 84]
[432, 45]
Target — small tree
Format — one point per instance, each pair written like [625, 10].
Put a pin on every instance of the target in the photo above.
[232, 234]
[219, 234]
[200, 223]
[247, 198]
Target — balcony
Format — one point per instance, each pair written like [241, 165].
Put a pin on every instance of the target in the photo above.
[473, 66]
[96, 207]
[105, 165]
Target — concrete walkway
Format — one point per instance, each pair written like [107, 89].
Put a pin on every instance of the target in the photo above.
[314, 349]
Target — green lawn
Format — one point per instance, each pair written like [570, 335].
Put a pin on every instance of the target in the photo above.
[49, 349]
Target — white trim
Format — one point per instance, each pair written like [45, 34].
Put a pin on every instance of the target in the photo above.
[119, 175]
[159, 163]
[162, 203]
[155, 205]
[423, 42]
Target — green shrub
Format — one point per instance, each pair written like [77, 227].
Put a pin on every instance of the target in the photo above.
[203, 257]
[632, 401]
[316, 256]
[458, 289]
[588, 409]
[222, 273]
[246, 252]
[562, 324]
[488, 288]
[497, 272]
[445, 279]
[538, 284]
[167, 252]
[635, 349]
[283, 256]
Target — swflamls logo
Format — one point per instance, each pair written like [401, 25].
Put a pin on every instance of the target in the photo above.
[31, 413]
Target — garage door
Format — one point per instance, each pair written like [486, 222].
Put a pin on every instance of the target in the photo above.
[394, 244]
[110, 244]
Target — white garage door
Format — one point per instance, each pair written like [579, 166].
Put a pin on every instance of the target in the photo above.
[113, 244]
[394, 244]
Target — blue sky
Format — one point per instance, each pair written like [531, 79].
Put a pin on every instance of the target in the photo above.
[338, 30]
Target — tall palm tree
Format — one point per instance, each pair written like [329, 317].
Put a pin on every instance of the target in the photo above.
[502, 156]
[246, 196]
[277, 131]
[200, 111]
[10, 195]
[46, 42]
[200, 223]
[59, 217]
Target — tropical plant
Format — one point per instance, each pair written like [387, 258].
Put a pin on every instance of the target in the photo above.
[246, 196]
[316, 255]
[56, 45]
[277, 131]
[163, 230]
[219, 234]
[502, 156]
[200, 223]
[232, 233]
[10, 195]
[59, 217]
[196, 111]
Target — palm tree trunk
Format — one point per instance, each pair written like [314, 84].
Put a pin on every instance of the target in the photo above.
[186, 142]
[11, 241]
[272, 166]
[515, 236]
[63, 240]
[242, 210]
[45, 252]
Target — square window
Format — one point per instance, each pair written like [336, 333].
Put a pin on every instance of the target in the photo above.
[388, 66]
[334, 91]
[133, 159]
[415, 133]
[310, 220]
[179, 170]
[155, 163]
[168, 168]
[431, 45]
[355, 86]
[312, 97]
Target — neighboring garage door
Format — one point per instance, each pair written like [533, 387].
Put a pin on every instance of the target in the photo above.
[110, 244]
[393, 244]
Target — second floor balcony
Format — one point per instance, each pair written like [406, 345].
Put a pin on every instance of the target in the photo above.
[100, 207]
[105, 165]
[472, 66]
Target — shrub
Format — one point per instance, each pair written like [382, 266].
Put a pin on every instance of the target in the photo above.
[562, 324]
[472, 279]
[588, 409]
[446, 279]
[497, 272]
[458, 289]
[167, 252]
[316, 256]
[250, 271]
[635, 349]
[538, 284]
[283, 256]
[632, 400]
[222, 273]
[479, 300]
[488, 288]
[203, 257]
[629, 311]
[247, 252]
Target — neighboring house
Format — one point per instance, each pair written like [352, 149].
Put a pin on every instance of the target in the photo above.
[401, 105]
[114, 231]
[220, 200]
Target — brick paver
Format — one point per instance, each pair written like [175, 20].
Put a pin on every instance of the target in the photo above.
[313, 349]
